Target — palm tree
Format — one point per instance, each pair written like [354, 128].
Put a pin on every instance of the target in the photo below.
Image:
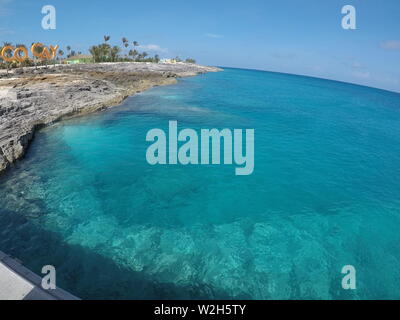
[125, 42]
[135, 44]
[114, 53]
[142, 56]
[133, 54]
[8, 64]
[5, 44]
[105, 52]
[20, 45]
[60, 54]
[95, 51]
[38, 49]
[106, 38]
[69, 51]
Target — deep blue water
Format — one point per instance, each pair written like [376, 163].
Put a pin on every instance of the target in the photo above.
[325, 193]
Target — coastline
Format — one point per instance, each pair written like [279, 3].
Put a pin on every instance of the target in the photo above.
[33, 98]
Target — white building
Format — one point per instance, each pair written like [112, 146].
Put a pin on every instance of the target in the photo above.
[168, 61]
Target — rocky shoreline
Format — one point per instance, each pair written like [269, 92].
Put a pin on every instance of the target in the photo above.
[32, 98]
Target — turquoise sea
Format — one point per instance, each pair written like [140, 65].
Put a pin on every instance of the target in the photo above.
[325, 193]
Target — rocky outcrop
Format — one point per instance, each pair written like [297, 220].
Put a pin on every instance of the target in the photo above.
[32, 98]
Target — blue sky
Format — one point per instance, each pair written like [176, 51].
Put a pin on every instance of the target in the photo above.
[293, 36]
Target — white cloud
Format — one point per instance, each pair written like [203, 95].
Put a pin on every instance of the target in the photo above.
[317, 68]
[391, 80]
[153, 47]
[391, 45]
[213, 35]
[361, 74]
[283, 55]
[357, 65]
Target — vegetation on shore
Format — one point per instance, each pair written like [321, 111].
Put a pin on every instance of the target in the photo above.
[103, 52]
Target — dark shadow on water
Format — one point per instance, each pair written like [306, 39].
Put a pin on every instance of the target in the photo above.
[85, 273]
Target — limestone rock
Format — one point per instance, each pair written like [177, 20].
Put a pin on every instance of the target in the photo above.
[31, 98]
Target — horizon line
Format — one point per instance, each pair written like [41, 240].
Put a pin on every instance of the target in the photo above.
[309, 76]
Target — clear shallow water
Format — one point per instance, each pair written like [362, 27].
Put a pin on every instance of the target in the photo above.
[325, 193]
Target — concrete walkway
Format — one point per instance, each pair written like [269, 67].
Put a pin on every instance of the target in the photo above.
[19, 283]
